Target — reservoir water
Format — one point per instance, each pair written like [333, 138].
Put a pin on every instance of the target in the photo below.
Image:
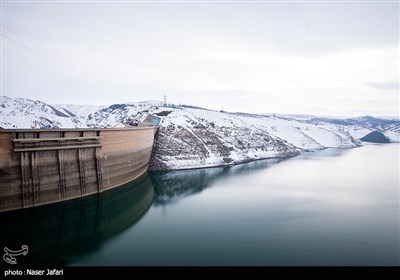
[330, 207]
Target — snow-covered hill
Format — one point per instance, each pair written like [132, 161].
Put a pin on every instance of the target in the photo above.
[191, 137]
[201, 138]
[26, 113]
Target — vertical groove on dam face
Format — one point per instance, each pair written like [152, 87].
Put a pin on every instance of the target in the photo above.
[62, 184]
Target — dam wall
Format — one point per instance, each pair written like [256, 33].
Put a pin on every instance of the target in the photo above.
[39, 166]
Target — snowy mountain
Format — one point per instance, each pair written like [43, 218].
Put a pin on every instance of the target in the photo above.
[192, 137]
[26, 113]
[361, 126]
[202, 138]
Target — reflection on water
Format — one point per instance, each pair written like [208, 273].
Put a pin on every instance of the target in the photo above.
[57, 233]
[173, 185]
[330, 207]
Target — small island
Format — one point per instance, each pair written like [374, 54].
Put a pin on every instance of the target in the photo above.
[375, 137]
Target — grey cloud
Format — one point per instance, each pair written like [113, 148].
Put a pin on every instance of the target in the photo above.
[393, 85]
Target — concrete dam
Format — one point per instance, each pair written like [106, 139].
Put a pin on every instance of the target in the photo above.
[42, 166]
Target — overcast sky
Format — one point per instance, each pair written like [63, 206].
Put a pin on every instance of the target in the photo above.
[329, 58]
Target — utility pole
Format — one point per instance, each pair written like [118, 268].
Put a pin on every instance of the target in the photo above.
[165, 100]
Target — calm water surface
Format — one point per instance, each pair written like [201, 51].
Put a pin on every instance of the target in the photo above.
[331, 207]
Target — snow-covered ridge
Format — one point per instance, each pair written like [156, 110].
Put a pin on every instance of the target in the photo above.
[191, 137]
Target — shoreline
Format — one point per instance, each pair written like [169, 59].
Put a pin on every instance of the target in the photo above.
[247, 160]
[222, 165]
[264, 158]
